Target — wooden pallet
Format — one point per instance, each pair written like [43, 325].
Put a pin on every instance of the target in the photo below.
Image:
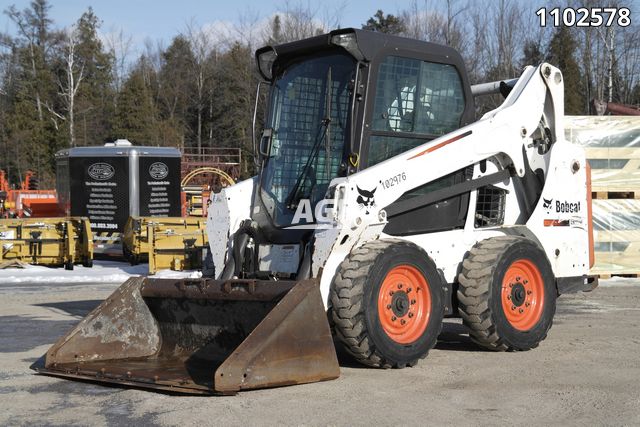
[614, 195]
[612, 147]
[616, 232]
[625, 275]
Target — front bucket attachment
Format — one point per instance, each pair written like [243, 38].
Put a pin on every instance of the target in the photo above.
[201, 336]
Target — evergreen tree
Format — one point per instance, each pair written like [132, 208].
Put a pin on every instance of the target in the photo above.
[385, 23]
[561, 54]
[33, 126]
[175, 78]
[276, 31]
[532, 54]
[235, 97]
[635, 95]
[135, 115]
[94, 106]
[176, 86]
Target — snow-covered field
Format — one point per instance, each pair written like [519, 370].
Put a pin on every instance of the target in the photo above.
[102, 271]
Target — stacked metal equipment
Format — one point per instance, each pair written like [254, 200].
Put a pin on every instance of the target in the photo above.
[47, 241]
[612, 145]
[166, 243]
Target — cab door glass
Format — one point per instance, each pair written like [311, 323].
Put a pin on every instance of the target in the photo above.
[416, 100]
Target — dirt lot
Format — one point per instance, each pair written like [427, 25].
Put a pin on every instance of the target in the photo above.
[586, 372]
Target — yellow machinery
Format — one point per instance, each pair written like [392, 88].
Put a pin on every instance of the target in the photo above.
[195, 200]
[195, 197]
[174, 243]
[47, 241]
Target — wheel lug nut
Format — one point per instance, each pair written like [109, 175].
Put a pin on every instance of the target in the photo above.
[527, 304]
[399, 285]
[513, 307]
[508, 296]
[408, 290]
[388, 306]
[528, 292]
[410, 314]
[521, 311]
[511, 285]
[393, 318]
[391, 293]
[413, 301]
[518, 278]
[525, 282]
[402, 322]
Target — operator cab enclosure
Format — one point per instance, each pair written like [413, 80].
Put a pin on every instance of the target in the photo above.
[341, 102]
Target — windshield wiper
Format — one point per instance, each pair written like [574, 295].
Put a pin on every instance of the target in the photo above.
[293, 199]
[327, 130]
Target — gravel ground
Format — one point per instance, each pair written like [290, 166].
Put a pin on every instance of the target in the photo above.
[585, 373]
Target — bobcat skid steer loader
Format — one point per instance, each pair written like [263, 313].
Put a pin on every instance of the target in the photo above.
[382, 203]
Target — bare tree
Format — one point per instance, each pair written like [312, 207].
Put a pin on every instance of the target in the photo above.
[628, 60]
[299, 20]
[32, 25]
[248, 30]
[609, 57]
[202, 47]
[437, 23]
[70, 83]
[478, 58]
[119, 46]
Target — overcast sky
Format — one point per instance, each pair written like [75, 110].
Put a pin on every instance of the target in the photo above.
[163, 19]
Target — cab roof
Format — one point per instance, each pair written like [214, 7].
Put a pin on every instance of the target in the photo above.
[370, 44]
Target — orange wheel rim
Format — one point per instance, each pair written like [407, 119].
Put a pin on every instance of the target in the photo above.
[522, 295]
[404, 304]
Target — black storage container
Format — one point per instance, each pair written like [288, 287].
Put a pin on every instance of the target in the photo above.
[110, 183]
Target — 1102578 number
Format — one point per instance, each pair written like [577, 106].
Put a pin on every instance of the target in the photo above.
[585, 17]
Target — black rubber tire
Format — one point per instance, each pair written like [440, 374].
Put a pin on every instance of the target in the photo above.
[354, 311]
[129, 256]
[479, 293]
[88, 263]
[68, 265]
[208, 267]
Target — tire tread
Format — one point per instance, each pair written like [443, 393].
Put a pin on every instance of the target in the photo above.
[474, 291]
[347, 294]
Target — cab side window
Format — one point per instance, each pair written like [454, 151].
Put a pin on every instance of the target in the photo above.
[415, 101]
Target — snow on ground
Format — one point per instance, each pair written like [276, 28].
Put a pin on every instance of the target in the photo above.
[618, 281]
[117, 272]
[102, 271]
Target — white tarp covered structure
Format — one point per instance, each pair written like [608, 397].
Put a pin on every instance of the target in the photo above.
[612, 145]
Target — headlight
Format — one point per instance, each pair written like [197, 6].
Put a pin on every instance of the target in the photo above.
[349, 43]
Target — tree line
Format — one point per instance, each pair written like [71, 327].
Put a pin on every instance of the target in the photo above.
[66, 87]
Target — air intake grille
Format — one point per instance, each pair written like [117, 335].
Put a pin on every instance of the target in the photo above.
[490, 207]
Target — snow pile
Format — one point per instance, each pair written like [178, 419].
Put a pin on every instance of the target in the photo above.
[619, 281]
[102, 272]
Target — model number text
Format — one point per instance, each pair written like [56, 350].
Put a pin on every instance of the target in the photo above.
[394, 180]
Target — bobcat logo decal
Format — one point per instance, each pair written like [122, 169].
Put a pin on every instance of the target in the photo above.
[366, 199]
[546, 203]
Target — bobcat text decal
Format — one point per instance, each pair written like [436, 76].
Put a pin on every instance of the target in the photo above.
[561, 206]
